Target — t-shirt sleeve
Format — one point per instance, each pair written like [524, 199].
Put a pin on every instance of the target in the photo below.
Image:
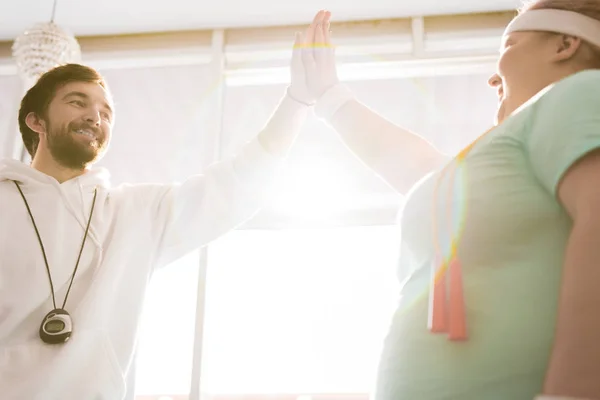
[565, 127]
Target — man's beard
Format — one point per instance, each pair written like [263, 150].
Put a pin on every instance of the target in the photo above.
[71, 152]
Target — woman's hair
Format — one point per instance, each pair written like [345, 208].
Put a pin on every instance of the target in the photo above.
[589, 8]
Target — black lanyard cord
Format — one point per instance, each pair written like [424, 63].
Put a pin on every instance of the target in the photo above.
[44, 252]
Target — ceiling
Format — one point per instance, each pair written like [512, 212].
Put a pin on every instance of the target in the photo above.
[108, 17]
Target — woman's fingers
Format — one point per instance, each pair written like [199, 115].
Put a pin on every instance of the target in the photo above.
[298, 48]
[310, 32]
[330, 53]
[326, 29]
[308, 58]
[319, 48]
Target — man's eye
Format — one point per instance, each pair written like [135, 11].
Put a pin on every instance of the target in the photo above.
[78, 103]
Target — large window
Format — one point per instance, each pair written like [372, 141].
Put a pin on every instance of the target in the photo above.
[298, 310]
[165, 348]
[298, 301]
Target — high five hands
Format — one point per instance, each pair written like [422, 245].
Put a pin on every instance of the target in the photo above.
[313, 69]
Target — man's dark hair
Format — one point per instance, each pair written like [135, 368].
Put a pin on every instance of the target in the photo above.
[38, 98]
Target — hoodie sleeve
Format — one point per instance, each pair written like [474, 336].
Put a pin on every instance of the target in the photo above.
[206, 206]
[228, 193]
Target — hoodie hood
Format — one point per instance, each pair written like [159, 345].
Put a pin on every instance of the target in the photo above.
[75, 192]
[24, 174]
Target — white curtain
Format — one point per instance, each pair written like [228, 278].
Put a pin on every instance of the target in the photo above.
[160, 130]
[324, 180]
[11, 89]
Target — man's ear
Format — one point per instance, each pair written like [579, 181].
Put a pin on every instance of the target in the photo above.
[35, 123]
[566, 47]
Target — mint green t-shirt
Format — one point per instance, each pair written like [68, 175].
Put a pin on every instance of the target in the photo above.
[502, 203]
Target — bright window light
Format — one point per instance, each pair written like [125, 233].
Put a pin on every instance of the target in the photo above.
[288, 311]
[165, 347]
[298, 311]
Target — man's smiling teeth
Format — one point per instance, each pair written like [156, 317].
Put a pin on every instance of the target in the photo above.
[85, 132]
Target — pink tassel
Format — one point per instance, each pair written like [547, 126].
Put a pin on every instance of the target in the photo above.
[458, 318]
[438, 317]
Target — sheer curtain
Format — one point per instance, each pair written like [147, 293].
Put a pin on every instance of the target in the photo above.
[450, 110]
[11, 88]
[160, 130]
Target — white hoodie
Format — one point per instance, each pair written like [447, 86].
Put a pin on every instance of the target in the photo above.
[134, 229]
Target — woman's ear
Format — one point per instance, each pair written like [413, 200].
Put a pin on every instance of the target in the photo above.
[566, 47]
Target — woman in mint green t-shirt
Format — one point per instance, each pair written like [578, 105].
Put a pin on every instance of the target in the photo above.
[500, 252]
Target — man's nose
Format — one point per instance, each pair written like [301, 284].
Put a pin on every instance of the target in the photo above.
[93, 118]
